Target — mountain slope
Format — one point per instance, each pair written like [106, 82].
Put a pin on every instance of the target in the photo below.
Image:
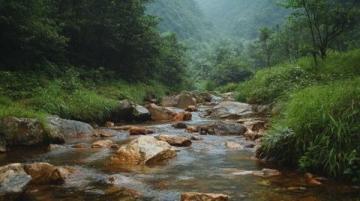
[182, 17]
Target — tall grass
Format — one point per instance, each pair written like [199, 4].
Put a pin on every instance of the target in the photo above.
[269, 85]
[319, 130]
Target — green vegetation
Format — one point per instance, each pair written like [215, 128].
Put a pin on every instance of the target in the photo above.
[319, 130]
[69, 96]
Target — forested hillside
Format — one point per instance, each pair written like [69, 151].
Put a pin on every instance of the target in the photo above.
[242, 19]
[182, 17]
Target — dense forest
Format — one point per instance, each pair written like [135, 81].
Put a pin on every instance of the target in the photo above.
[155, 99]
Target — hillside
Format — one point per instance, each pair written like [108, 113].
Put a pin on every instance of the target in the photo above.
[182, 17]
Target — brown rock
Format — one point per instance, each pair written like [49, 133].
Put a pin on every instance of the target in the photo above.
[13, 178]
[193, 196]
[312, 180]
[179, 125]
[191, 108]
[80, 146]
[192, 129]
[103, 133]
[102, 144]
[139, 131]
[160, 113]
[45, 173]
[145, 150]
[183, 116]
[109, 124]
[233, 145]
[177, 141]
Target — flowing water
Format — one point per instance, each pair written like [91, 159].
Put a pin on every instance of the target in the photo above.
[206, 166]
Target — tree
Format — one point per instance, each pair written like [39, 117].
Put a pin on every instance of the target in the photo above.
[267, 46]
[325, 19]
[28, 36]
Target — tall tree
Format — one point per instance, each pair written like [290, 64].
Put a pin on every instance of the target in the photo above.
[326, 20]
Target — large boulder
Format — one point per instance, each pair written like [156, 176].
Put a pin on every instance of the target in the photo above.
[176, 141]
[193, 196]
[24, 132]
[231, 110]
[129, 111]
[63, 129]
[145, 150]
[183, 100]
[223, 128]
[13, 178]
[45, 173]
[159, 113]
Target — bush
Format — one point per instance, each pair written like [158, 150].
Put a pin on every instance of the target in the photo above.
[324, 121]
[268, 85]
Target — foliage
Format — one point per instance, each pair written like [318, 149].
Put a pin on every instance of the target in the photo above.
[324, 123]
[269, 85]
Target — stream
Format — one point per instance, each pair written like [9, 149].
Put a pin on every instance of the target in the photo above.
[206, 166]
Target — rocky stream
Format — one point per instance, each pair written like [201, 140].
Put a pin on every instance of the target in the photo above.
[194, 148]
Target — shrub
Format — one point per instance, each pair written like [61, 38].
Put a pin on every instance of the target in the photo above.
[230, 87]
[324, 121]
[268, 85]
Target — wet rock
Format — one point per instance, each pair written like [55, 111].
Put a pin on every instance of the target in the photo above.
[312, 180]
[22, 132]
[63, 129]
[227, 128]
[193, 196]
[114, 193]
[203, 97]
[192, 129]
[173, 140]
[161, 113]
[267, 173]
[229, 96]
[254, 135]
[179, 125]
[191, 108]
[109, 124]
[249, 146]
[233, 145]
[102, 144]
[145, 150]
[45, 173]
[103, 133]
[129, 111]
[13, 178]
[231, 110]
[253, 124]
[183, 116]
[195, 138]
[140, 131]
[185, 100]
[53, 147]
[81, 146]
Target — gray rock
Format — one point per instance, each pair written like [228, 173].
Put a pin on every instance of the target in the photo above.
[231, 110]
[13, 178]
[228, 128]
[59, 130]
[21, 132]
[129, 111]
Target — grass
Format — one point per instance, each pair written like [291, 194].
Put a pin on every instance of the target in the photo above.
[273, 84]
[319, 130]
[35, 95]
[269, 85]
